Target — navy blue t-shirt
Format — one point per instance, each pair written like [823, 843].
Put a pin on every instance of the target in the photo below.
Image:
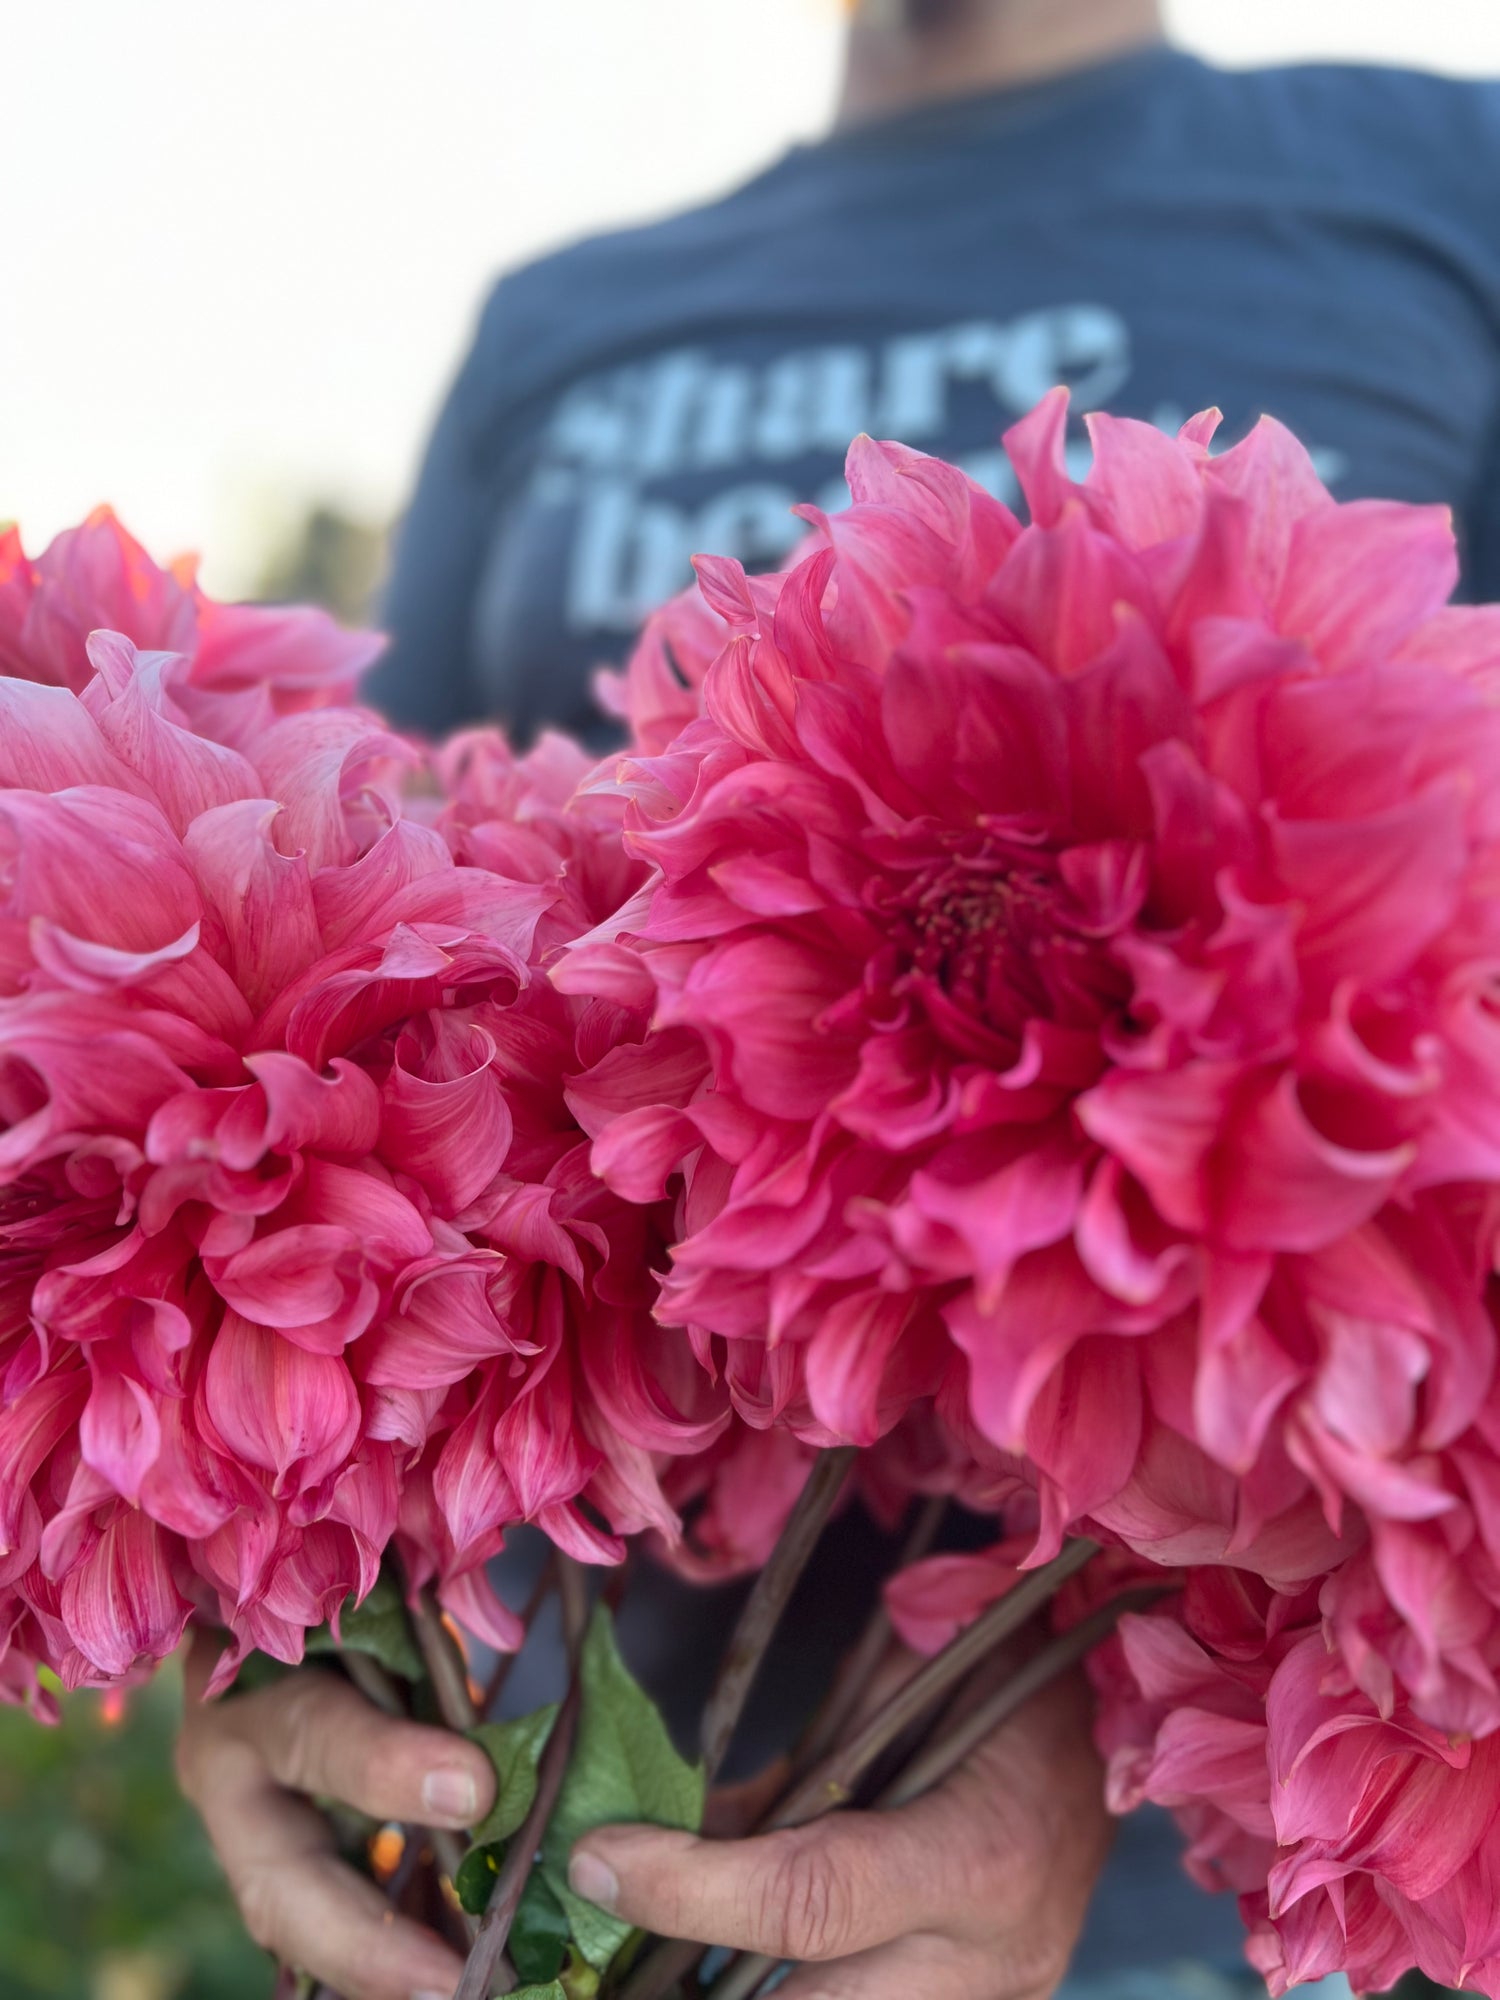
[1321, 243]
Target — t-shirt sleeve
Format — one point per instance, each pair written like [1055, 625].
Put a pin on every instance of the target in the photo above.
[1482, 523]
[426, 680]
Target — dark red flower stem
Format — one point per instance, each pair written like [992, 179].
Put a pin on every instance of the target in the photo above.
[940, 1758]
[865, 1661]
[445, 1666]
[768, 1600]
[834, 1782]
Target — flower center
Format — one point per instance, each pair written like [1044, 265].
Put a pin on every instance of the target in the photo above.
[992, 936]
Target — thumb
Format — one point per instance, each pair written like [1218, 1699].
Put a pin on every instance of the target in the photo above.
[817, 1892]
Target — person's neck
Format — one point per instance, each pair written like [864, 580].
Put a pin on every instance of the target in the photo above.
[971, 46]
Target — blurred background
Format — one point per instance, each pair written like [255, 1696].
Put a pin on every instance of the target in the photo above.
[243, 248]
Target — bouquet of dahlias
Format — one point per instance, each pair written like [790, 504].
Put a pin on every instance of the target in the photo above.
[1014, 1029]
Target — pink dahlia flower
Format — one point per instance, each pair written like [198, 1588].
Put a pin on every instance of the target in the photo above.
[1086, 933]
[1358, 1841]
[300, 1250]
[98, 576]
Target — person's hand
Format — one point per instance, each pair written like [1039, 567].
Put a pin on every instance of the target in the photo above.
[243, 1761]
[977, 1890]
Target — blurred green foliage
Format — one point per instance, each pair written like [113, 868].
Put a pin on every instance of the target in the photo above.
[108, 1890]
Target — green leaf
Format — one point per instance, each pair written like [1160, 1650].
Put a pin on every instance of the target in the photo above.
[379, 1627]
[578, 1979]
[539, 1935]
[551, 1991]
[623, 1769]
[475, 1880]
[515, 1749]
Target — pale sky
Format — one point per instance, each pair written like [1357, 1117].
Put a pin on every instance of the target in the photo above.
[243, 243]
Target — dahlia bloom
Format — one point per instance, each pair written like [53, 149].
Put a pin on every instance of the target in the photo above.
[1358, 1841]
[272, 660]
[1072, 950]
[300, 1252]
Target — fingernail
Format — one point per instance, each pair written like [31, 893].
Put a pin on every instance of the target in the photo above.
[432, 1993]
[594, 1880]
[450, 1795]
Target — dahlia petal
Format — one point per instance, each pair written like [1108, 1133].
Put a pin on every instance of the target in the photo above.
[297, 650]
[1149, 489]
[338, 1114]
[67, 1067]
[101, 968]
[1366, 1387]
[650, 1393]
[445, 1118]
[1294, 1189]
[261, 897]
[186, 773]
[1083, 1433]
[318, 764]
[1360, 578]
[310, 1583]
[94, 576]
[1242, 1382]
[444, 1325]
[1114, 1239]
[31, 1428]
[71, 853]
[1047, 1305]
[470, 1484]
[364, 1206]
[119, 1433]
[1273, 479]
[1036, 449]
[974, 524]
[278, 1406]
[930, 1602]
[472, 1600]
[49, 742]
[846, 1363]
[353, 903]
[293, 1279]
[1198, 1753]
[1023, 1204]
[120, 1604]
[1163, 1128]
[637, 1154]
[1375, 890]
[984, 720]
[1066, 590]
[765, 998]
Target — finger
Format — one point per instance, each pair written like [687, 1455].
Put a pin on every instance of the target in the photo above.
[1011, 1843]
[316, 1733]
[818, 1892]
[301, 1903]
[912, 1966]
